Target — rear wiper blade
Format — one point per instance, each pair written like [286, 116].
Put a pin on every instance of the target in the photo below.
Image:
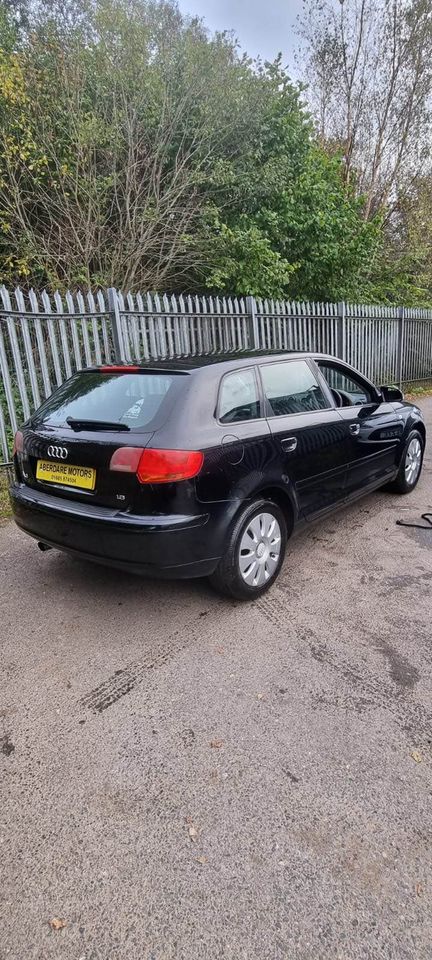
[78, 424]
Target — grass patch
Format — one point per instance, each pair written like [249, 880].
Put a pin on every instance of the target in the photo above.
[415, 391]
[5, 507]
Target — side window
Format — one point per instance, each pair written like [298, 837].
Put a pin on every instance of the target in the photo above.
[239, 398]
[291, 387]
[346, 389]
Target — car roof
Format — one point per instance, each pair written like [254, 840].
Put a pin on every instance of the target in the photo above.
[230, 360]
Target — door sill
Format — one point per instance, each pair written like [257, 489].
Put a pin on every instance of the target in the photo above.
[356, 495]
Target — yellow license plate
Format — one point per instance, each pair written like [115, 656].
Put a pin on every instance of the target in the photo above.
[66, 473]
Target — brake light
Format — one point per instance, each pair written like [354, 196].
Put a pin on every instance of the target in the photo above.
[117, 368]
[18, 444]
[165, 466]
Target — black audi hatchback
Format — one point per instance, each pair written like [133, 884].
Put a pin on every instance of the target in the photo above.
[205, 467]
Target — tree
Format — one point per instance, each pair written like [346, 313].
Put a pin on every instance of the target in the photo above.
[371, 63]
[403, 272]
[107, 192]
[16, 10]
[285, 222]
[137, 150]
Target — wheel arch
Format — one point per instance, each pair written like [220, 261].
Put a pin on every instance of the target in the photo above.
[283, 500]
[419, 425]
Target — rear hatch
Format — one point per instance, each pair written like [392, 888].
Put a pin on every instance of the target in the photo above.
[70, 441]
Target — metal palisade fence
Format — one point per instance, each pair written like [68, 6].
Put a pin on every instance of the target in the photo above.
[45, 339]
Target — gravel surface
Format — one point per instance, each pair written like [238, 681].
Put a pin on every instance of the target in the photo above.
[183, 777]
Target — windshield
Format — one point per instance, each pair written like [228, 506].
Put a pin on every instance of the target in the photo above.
[133, 399]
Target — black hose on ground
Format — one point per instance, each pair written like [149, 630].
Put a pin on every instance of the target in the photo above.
[418, 526]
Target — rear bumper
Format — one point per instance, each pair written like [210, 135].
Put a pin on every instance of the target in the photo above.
[159, 546]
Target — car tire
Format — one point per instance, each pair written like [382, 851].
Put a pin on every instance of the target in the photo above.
[411, 464]
[254, 552]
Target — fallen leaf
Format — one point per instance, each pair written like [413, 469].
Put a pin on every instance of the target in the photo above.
[201, 860]
[57, 923]
[220, 650]
[216, 744]
[193, 833]
[419, 889]
[416, 755]
[260, 696]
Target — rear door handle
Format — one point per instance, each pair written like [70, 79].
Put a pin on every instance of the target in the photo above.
[354, 429]
[289, 444]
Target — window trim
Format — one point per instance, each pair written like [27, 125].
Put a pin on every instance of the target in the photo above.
[270, 415]
[260, 397]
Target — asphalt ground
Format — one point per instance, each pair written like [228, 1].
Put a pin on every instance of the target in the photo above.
[184, 777]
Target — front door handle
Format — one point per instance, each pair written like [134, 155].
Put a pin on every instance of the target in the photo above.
[354, 429]
[289, 444]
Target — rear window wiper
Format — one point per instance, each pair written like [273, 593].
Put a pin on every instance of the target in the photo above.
[78, 424]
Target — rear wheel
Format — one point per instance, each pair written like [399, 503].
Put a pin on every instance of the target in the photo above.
[411, 464]
[254, 553]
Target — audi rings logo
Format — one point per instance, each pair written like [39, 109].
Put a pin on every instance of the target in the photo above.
[60, 453]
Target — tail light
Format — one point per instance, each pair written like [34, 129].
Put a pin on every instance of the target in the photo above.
[18, 444]
[157, 466]
[164, 466]
[126, 459]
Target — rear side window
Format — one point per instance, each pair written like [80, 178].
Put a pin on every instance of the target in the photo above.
[291, 387]
[239, 399]
[136, 399]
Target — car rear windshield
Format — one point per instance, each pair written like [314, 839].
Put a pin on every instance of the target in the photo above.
[137, 400]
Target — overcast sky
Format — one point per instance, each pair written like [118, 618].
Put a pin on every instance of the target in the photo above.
[263, 27]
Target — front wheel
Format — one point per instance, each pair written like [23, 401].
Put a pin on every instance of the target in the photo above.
[411, 464]
[254, 553]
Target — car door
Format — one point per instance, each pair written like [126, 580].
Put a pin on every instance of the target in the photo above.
[374, 426]
[239, 449]
[310, 435]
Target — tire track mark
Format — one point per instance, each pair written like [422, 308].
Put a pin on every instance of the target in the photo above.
[410, 715]
[274, 608]
[374, 691]
[122, 681]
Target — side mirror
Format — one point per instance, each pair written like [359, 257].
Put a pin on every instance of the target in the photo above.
[391, 394]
